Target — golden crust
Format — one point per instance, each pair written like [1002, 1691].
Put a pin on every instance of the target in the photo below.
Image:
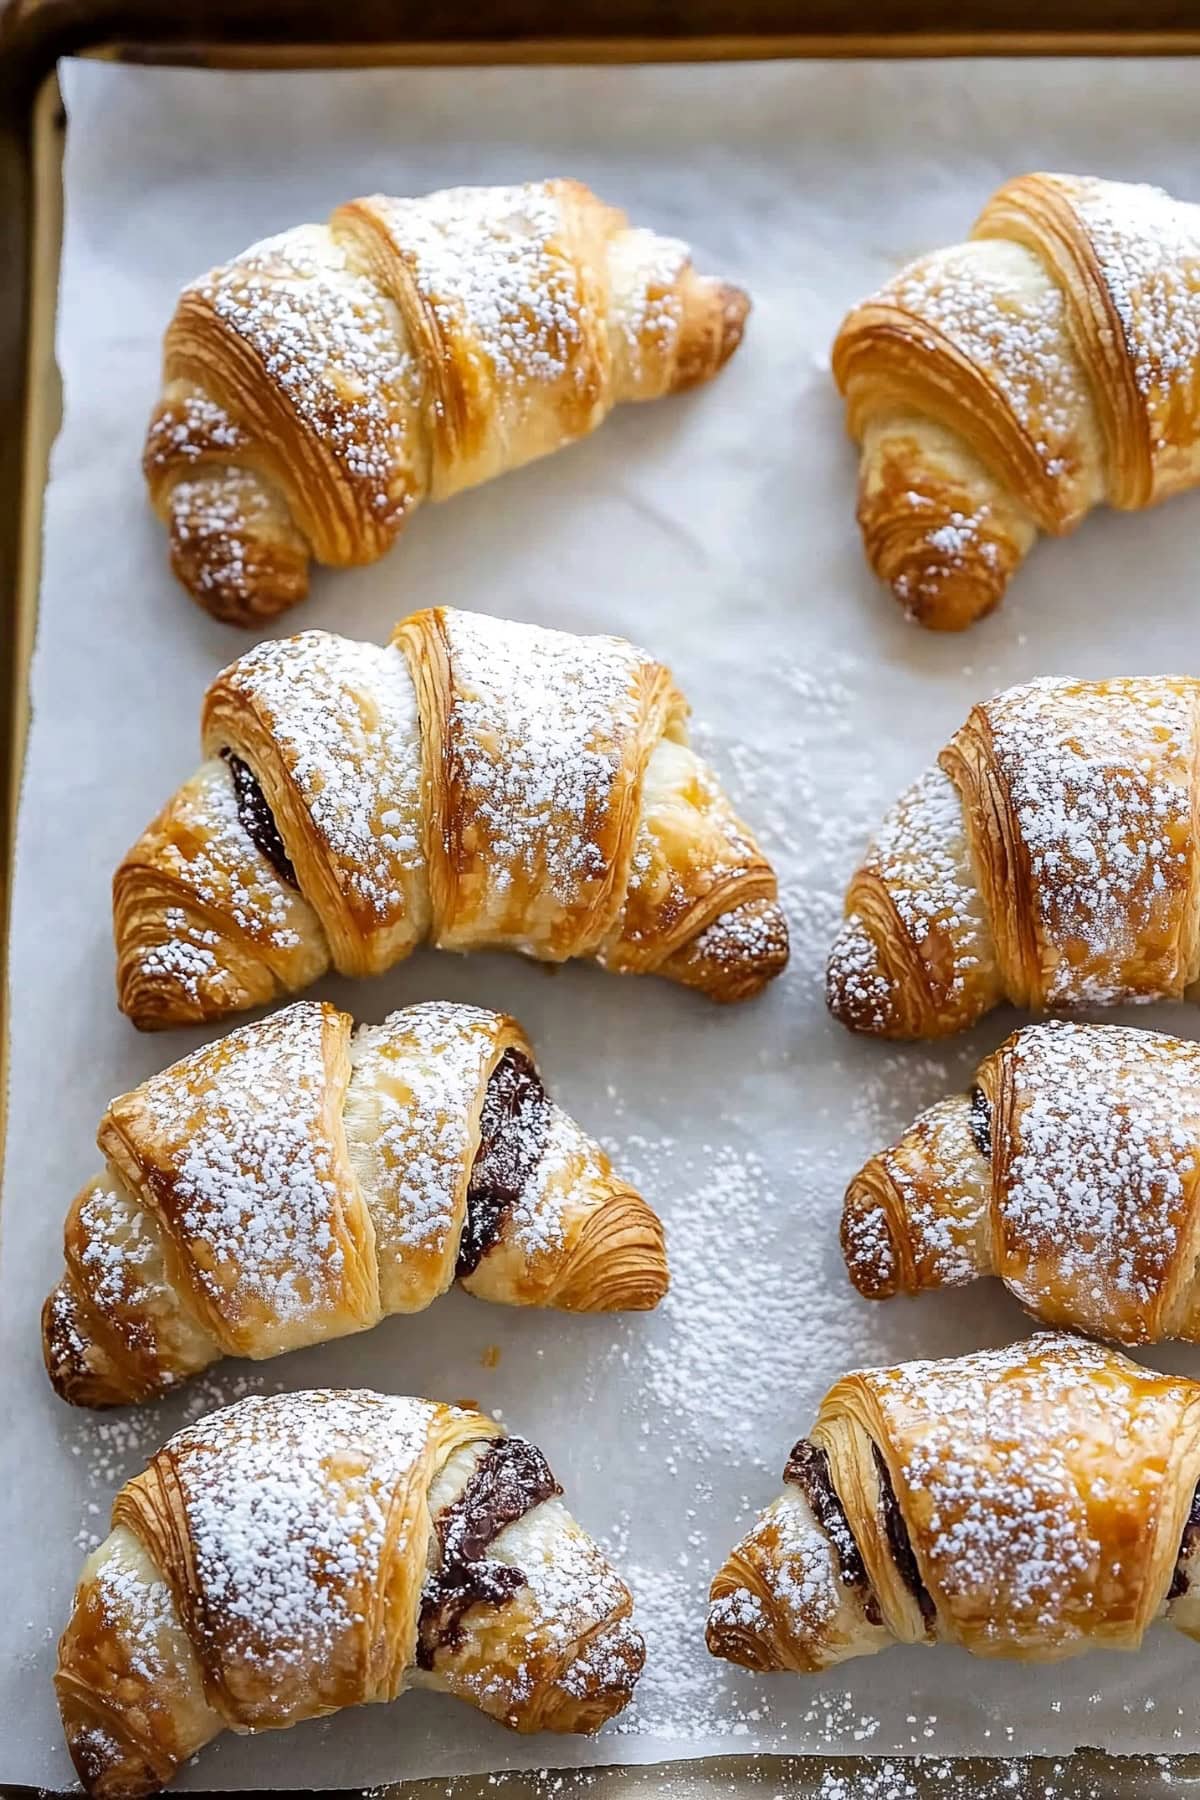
[1049, 860]
[1087, 1203]
[290, 1183]
[1007, 385]
[272, 1564]
[476, 784]
[327, 381]
[1042, 1490]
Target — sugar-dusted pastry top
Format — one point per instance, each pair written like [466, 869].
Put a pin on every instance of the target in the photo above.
[1007, 385]
[474, 784]
[1031, 1502]
[329, 379]
[1049, 859]
[299, 1553]
[1071, 1170]
[298, 1180]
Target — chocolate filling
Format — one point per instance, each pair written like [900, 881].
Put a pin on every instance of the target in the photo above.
[808, 1469]
[1187, 1542]
[512, 1132]
[899, 1542]
[257, 819]
[981, 1122]
[509, 1480]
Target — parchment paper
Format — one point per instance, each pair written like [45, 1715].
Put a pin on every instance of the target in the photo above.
[719, 530]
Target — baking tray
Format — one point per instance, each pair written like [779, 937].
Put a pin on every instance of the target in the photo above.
[316, 33]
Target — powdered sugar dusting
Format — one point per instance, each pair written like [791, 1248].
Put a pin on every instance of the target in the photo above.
[236, 1141]
[332, 342]
[411, 1142]
[288, 1501]
[536, 741]
[1005, 1526]
[496, 267]
[1099, 781]
[343, 716]
[1101, 1172]
[941, 1217]
[1004, 315]
[1148, 248]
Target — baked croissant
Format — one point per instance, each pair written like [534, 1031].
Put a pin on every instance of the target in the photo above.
[477, 783]
[299, 1180]
[325, 382]
[1049, 858]
[1071, 1170]
[299, 1553]
[1007, 385]
[1032, 1502]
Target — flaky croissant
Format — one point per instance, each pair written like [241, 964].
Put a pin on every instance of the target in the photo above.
[325, 382]
[1049, 858]
[1033, 1502]
[296, 1554]
[1071, 1170]
[476, 783]
[298, 1180]
[1007, 385]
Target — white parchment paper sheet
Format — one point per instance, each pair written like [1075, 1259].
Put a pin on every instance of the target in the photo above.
[719, 530]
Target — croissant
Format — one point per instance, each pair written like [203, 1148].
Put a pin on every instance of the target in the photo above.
[478, 783]
[1071, 1170]
[1049, 858]
[295, 1182]
[295, 1554]
[325, 382]
[1007, 385]
[1032, 1502]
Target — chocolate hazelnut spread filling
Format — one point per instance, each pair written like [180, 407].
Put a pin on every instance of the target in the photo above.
[899, 1542]
[1187, 1543]
[257, 819]
[512, 1132]
[981, 1122]
[509, 1480]
[808, 1469]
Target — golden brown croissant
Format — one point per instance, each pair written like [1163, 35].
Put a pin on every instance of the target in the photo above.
[298, 1180]
[1071, 1170]
[296, 1554]
[1049, 858]
[1032, 1502]
[1007, 385]
[477, 783]
[325, 382]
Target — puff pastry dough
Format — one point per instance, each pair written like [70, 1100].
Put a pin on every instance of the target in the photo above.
[296, 1554]
[1032, 1502]
[1048, 859]
[476, 783]
[323, 384]
[1071, 1170]
[298, 1181]
[1009, 384]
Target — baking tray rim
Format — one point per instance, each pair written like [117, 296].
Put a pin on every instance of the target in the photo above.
[40, 417]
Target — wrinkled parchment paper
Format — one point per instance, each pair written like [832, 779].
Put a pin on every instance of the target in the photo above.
[719, 530]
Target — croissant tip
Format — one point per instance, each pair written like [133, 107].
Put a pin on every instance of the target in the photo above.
[735, 310]
[620, 1261]
[597, 1684]
[733, 1630]
[738, 953]
[858, 989]
[80, 1371]
[869, 1247]
[947, 556]
[239, 560]
[108, 1765]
